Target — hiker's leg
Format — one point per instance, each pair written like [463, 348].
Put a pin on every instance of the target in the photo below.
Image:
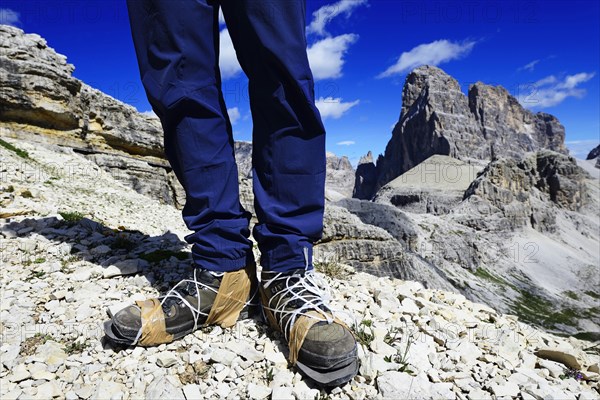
[176, 43]
[288, 138]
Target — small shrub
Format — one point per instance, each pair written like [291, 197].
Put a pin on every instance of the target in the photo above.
[363, 336]
[30, 345]
[76, 347]
[269, 374]
[71, 216]
[331, 268]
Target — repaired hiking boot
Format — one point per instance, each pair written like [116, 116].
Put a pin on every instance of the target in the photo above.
[321, 346]
[205, 298]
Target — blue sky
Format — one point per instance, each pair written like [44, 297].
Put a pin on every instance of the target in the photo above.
[544, 52]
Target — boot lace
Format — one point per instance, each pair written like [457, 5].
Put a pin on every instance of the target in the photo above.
[295, 294]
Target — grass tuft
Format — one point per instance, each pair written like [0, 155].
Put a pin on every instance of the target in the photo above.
[72, 216]
[17, 151]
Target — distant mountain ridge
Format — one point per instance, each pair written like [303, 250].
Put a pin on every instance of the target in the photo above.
[437, 118]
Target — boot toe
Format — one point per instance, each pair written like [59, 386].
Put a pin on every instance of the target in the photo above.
[327, 346]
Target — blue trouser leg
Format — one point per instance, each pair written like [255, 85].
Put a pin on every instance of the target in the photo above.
[288, 135]
[176, 43]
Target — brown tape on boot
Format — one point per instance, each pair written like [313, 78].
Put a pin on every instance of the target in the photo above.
[231, 297]
[154, 330]
[300, 330]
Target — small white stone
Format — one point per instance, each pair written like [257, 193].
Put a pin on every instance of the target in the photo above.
[71, 395]
[380, 347]
[282, 393]
[246, 351]
[222, 390]
[509, 389]
[555, 369]
[48, 390]
[222, 356]
[102, 249]
[192, 392]
[43, 375]
[108, 390]
[13, 394]
[258, 392]
[125, 267]
[19, 374]
[166, 359]
[408, 306]
[85, 391]
[51, 305]
[273, 356]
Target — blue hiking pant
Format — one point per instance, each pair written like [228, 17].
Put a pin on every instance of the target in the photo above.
[177, 46]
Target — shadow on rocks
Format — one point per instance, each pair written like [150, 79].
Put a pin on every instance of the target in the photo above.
[118, 251]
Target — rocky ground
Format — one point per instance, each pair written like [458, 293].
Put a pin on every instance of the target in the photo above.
[77, 244]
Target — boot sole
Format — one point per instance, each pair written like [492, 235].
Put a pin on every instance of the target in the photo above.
[330, 378]
[114, 337]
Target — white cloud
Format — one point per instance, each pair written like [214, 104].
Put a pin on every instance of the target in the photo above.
[346, 143]
[434, 53]
[330, 107]
[545, 81]
[551, 91]
[9, 17]
[234, 115]
[529, 66]
[326, 57]
[571, 81]
[228, 62]
[325, 14]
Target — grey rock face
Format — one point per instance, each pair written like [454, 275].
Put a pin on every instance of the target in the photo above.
[384, 216]
[521, 190]
[42, 102]
[595, 153]
[371, 248]
[511, 129]
[340, 175]
[434, 186]
[437, 118]
[366, 178]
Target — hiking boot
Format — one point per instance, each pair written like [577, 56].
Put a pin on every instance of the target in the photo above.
[203, 298]
[321, 345]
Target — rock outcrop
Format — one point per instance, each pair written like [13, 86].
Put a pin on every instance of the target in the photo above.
[366, 178]
[511, 193]
[437, 118]
[41, 101]
[340, 176]
[434, 186]
[595, 154]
